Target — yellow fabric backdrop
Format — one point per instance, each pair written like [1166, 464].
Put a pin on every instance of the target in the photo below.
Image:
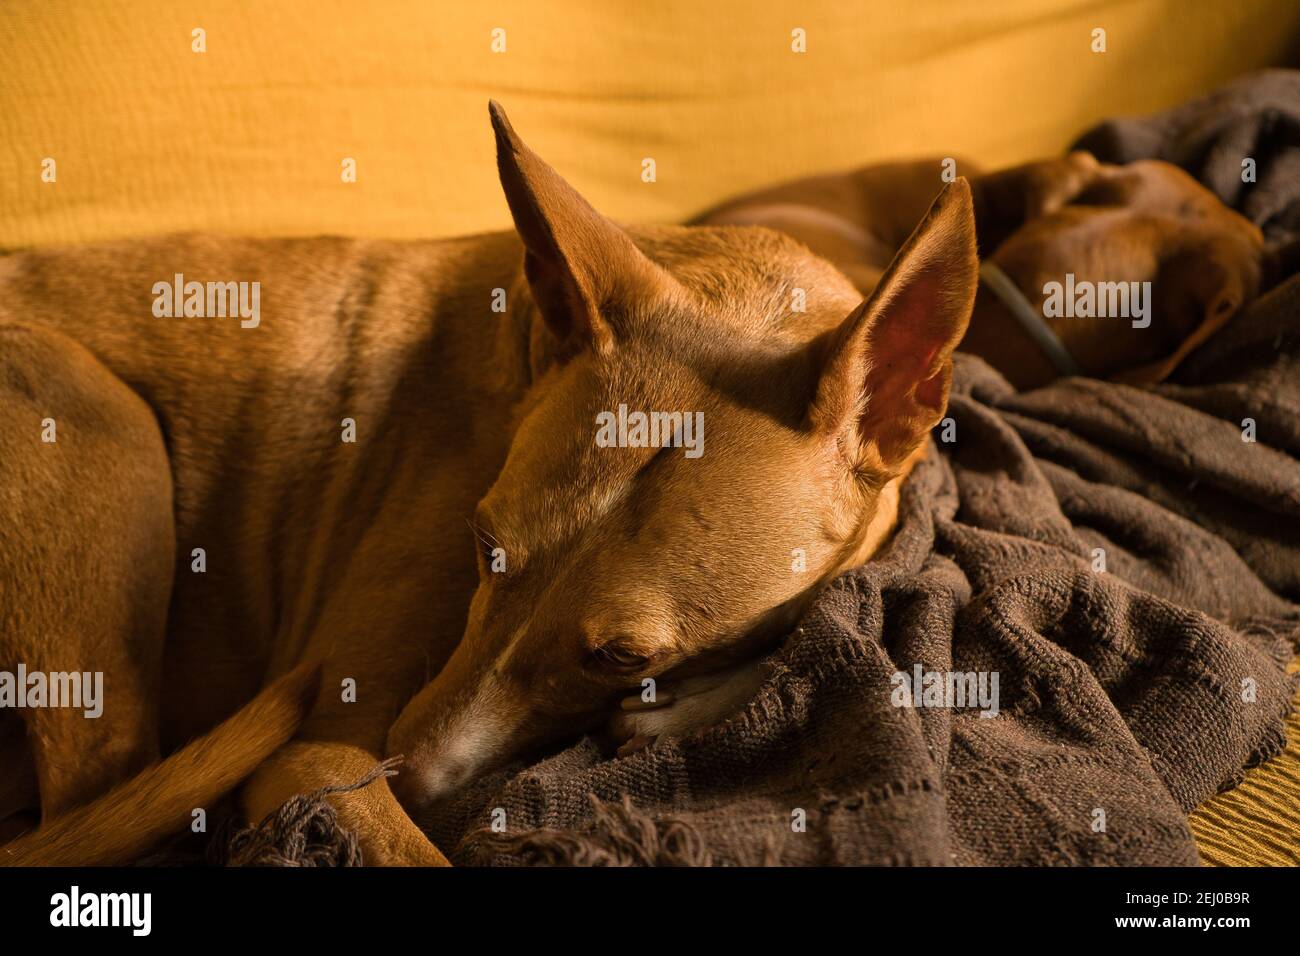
[248, 137]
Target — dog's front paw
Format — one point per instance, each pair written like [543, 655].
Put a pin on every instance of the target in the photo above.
[685, 706]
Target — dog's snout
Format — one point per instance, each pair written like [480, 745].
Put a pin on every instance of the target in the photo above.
[410, 785]
[417, 784]
[444, 738]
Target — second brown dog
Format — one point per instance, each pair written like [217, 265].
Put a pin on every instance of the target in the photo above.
[1096, 223]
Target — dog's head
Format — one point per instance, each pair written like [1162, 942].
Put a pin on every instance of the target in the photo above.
[778, 408]
[1144, 222]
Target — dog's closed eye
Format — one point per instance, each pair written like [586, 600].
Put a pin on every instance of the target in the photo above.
[617, 657]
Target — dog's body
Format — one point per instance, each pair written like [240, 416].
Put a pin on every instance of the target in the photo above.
[177, 434]
[296, 524]
[313, 547]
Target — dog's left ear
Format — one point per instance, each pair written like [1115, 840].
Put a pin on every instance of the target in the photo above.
[580, 265]
[887, 368]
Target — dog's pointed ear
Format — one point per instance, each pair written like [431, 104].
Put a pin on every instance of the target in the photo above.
[579, 264]
[886, 370]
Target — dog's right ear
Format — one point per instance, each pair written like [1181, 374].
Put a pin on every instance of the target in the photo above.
[579, 264]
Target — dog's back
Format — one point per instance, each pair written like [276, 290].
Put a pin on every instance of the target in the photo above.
[389, 338]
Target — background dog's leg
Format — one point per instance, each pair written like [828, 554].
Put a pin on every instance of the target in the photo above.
[86, 552]
[387, 835]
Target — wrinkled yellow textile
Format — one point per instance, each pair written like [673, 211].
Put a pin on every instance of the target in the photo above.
[249, 136]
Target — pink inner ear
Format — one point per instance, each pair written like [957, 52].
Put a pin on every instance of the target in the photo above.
[909, 349]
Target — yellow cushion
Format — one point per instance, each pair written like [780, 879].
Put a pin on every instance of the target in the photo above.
[249, 136]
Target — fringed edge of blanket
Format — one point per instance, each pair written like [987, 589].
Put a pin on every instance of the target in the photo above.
[1255, 823]
[620, 835]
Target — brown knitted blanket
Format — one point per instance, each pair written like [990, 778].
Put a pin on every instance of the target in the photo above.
[1126, 695]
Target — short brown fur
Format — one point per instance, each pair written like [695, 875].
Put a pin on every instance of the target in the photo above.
[623, 563]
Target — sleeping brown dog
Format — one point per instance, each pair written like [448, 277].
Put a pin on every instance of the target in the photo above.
[1071, 221]
[478, 570]
[488, 566]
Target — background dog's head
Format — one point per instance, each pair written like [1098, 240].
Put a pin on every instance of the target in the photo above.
[605, 563]
[1144, 222]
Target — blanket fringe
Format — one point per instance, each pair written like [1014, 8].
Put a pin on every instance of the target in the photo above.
[620, 835]
[304, 831]
[1255, 823]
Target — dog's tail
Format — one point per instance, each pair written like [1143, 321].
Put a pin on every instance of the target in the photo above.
[124, 823]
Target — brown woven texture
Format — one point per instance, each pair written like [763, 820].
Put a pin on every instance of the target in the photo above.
[1257, 823]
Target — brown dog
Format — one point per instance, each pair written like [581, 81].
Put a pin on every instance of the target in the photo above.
[1101, 225]
[202, 522]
